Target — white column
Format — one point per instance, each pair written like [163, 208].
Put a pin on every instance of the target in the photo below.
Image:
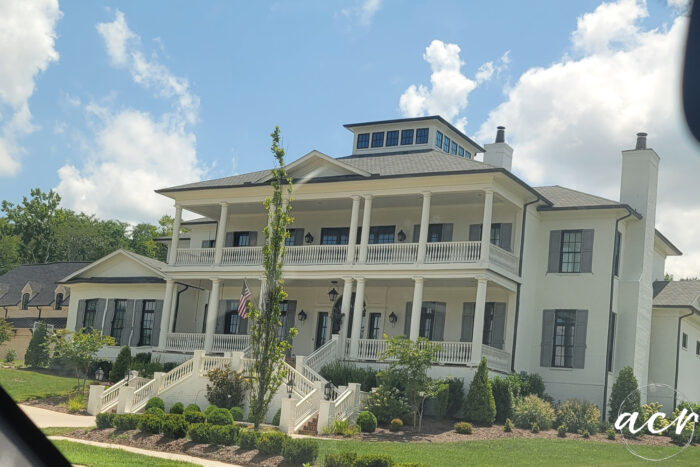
[354, 220]
[167, 313]
[212, 314]
[176, 235]
[416, 308]
[221, 234]
[486, 226]
[366, 224]
[424, 227]
[345, 305]
[357, 317]
[478, 332]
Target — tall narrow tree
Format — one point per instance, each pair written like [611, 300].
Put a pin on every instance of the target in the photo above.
[268, 371]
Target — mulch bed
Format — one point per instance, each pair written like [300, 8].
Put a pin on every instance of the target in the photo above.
[55, 403]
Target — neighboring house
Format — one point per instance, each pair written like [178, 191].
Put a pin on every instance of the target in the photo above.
[30, 293]
[389, 241]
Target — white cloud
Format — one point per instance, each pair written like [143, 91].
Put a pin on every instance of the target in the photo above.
[364, 12]
[569, 121]
[27, 39]
[134, 152]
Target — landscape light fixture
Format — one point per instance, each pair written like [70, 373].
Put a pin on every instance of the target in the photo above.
[290, 387]
[99, 374]
[328, 390]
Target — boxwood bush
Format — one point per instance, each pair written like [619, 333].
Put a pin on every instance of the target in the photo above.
[219, 417]
[157, 411]
[223, 435]
[199, 433]
[503, 397]
[177, 408]
[126, 421]
[342, 459]
[299, 451]
[192, 408]
[531, 410]
[155, 402]
[104, 420]
[247, 439]
[276, 418]
[463, 428]
[271, 442]
[152, 424]
[374, 460]
[578, 415]
[237, 414]
[366, 421]
[175, 426]
[194, 417]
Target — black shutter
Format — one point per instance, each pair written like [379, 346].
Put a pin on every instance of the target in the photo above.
[100, 313]
[109, 317]
[291, 314]
[506, 233]
[136, 318]
[499, 325]
[554, 250]
[580, 338]
[467, 321]
[416, 233]
[475, 233]
[547, 338]
[229, 239]
[587, 250]
[252, 238]
[157, 317]
[407, 319]
[447, 232]
[298, 236]
[439, 322]
[221, 315]
[80, 316]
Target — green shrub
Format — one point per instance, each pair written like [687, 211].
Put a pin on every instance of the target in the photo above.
[610, 432]
[396, 425]
[155, 402]
[151, 424]
[126, 421]
[463, 428]
[343, 459]
[480, 406]
[366, 421]
[121, 365]
[441, 400]
[10, 356]
[374, 460]
[531, 409]
[247, 439]
[220, 417]
[410, 464]
[37, 354]
[625, 385]
[275, 419]
[226, 388]
[209, 410]
[192, 408]
[535, 428]
[341, 373]
[177, 408]
[194, 417]
[387, 403]
[586, 434]
[271, 442]
[169, 366]
[532, 383]
[199, 433]
[75, 403]
[508, 426]
[683, 437]
[104, 420]
[237, 414]
[503, 397]
[300, 451]
[175, 426]
[561, 431]
[342, 428]
[155, 411]
[223, 435]
[578, 415]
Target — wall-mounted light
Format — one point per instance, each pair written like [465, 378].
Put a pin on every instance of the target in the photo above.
[401, 236]
[393, 318]
[333, 294]
[308, 237]
[302, 316]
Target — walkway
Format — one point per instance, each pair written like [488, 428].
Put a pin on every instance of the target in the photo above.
[145, 452]
[44, 418]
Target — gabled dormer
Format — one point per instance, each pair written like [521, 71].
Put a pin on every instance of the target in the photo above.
[411, 134]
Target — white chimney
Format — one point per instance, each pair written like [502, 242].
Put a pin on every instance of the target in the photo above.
[499, 153]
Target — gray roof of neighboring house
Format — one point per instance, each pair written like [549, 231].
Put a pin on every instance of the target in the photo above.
[28, 322]
[676, 293]
[43, 279]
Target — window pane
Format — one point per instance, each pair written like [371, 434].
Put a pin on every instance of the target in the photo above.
[438, 139]
[570, 259]
[446, 144]
[90, 311]
[460, 151]
[334, 236]
[406, 137]
[118, 320]
[421, 135]
[496, 234]
[363, 141]
[453, 148]
[392, 138]
[291, 240]
[563, 350]
[378, 139]
[149, 307]
[467, 154]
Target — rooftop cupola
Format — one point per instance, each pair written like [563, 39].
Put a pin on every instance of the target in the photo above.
[499, 153]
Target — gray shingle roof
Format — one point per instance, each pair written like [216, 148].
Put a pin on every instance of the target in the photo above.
[567, 198]
[43, 277]
[676, 293]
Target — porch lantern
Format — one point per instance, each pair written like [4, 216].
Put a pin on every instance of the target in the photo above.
[127, 376]
[401, 236]
[328, 390]
[308, 237]
[393, 318]
[333, 294]
[302, 316]
[99, 374]
[290, 387]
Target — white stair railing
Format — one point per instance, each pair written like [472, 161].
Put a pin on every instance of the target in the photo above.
[322, 356]
[176, 375]
[344, 405]
[143, 394]
[210, 363]
[305, 409]
[110, 397]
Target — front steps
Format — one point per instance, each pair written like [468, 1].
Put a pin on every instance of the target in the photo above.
[311, 427]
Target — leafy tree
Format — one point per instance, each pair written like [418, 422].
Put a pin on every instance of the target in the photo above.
[5, 331]
[268, 350]
[37, 355]
[79, 349]
[80, 237]
[410, 362]
[480, 406]
[121, 365]
[227, 387]
[9, 246]
[143, 241]
[624, 396]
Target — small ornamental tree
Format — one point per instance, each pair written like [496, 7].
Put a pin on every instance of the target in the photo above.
[480, 406]
[79, 349]
[624, 396]
[5, 331]
[37, 355]
[121, 365]
[410, 362]
[268, 372]
[226, 388]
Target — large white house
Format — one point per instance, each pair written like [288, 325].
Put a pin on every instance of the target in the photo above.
[388, 241]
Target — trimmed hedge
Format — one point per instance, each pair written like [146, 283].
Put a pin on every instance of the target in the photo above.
[300, 450]
[155, 402]
[238, 415]
[577, 415]
[126, 421]
[271, 442]
[276, 418]
[396, 425]
[177, 408]
[151, 424]
[104, 420]
[219, 417]
[199, 433]
[157, 411]
[194, 417]
[247, 439]
[192, 408]
[367, 422]
[533, 410]
[209, 410]
[463, 428]
[503, 397]
[343, 459]
[223, 435]
[175, 426]
[374, 460]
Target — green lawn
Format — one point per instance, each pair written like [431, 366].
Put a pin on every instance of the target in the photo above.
[93, 456]
[511, 451]
[25, 385]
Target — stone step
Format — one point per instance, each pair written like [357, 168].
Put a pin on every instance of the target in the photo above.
[310, 427]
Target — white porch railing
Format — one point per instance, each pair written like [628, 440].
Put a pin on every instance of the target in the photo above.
[194, 256]
[242, 255]
[453, 252]
[392, 253]
[371, 349]
[503, 258]
[450, 353]
[184, 341]
[230, 342]
[497, 359]
[315, 254]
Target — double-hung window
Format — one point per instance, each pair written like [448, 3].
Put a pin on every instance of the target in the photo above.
[25, 301]
[438, 139]
[382, 234]
[446, 144]
[421, 135]
[406, 137]
[392, 138]
[118, 320]
[570, 257]
[375, 321]
[233, 323]
[564, 332]
[453, 148]
[378, 139]
[147, 318]
[90, 312]
[460, 151]
[59, 301]
[334, 236]
[363, 141]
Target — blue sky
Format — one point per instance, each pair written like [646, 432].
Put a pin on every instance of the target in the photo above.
[199, 86]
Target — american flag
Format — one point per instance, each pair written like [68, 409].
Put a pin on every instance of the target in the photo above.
[243, 302]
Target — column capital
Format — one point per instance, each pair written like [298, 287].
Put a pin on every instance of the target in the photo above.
[426, 194]
[419, 279]
[368, 196]
[169, 280]
[224, 204]
[482, 280]
[488, 191]
[215, 280]
[355, 197]
[347, 278]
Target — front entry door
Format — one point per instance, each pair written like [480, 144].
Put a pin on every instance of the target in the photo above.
[321, 329]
